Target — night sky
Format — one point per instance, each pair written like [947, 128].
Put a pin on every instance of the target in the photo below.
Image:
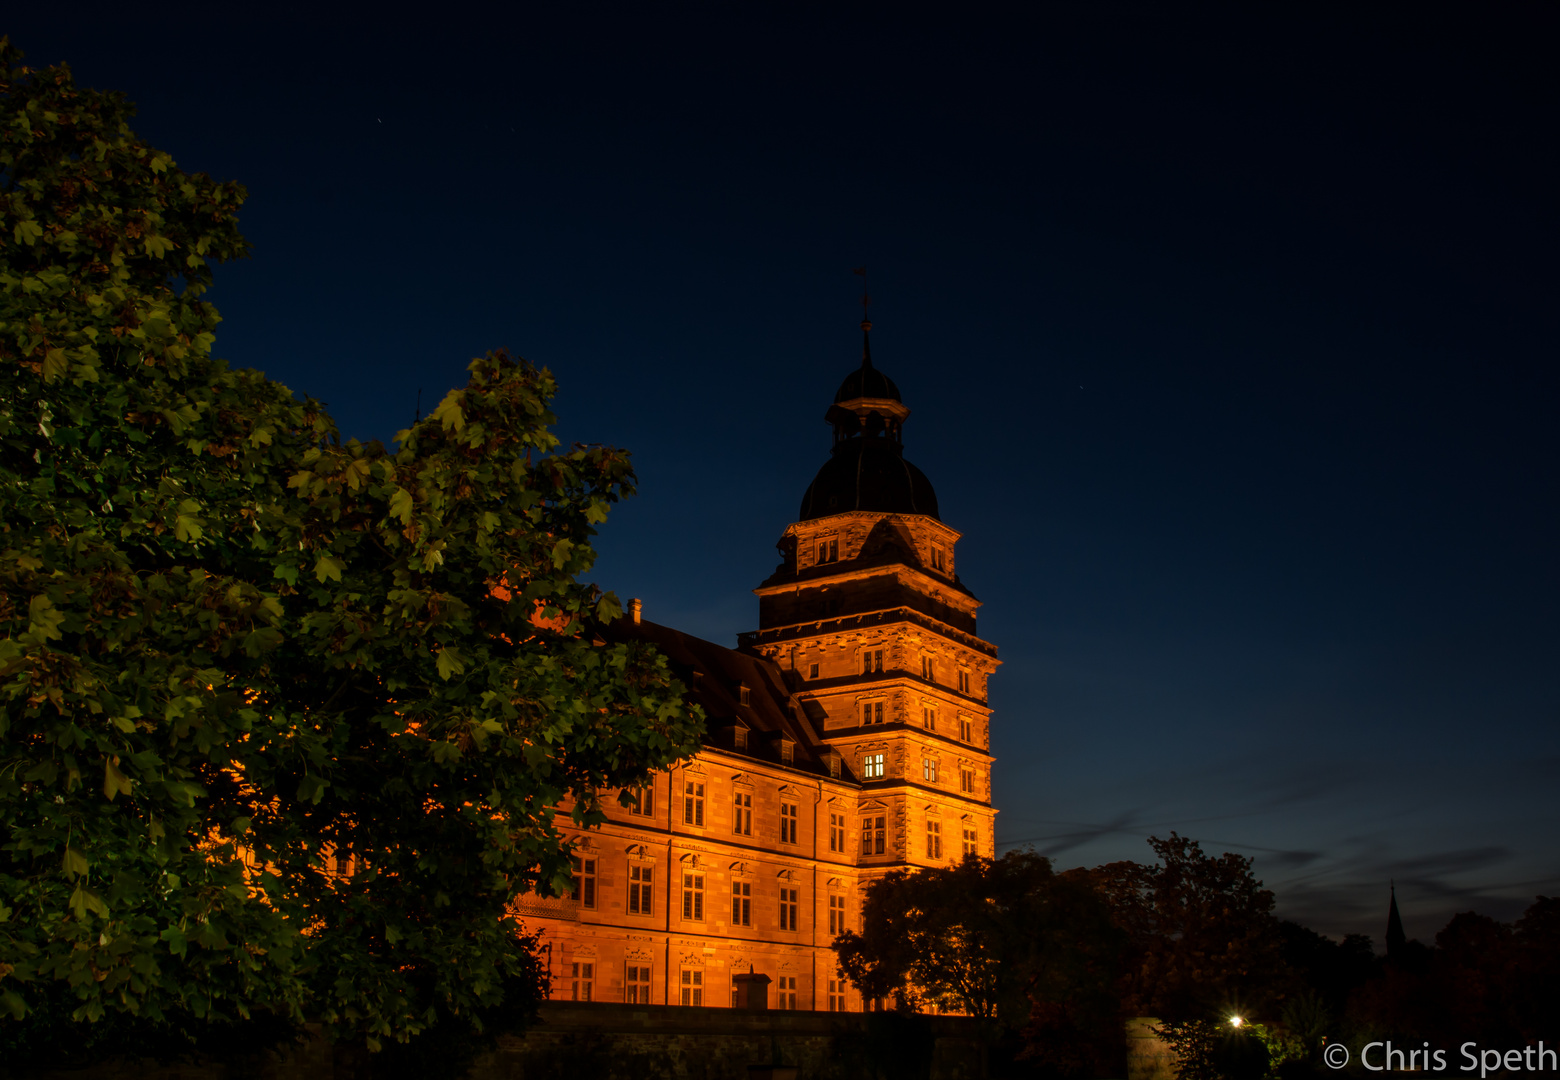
[1230, 341]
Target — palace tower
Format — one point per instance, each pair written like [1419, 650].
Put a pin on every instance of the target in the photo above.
[847, 737]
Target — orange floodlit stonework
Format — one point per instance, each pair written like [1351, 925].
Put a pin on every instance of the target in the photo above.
[848, 736]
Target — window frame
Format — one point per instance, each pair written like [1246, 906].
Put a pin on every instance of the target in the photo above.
[790, 814]
[693, 803]
[637, 983]
[584, 877]
[582, 974]
[693, 896]
[742, 813]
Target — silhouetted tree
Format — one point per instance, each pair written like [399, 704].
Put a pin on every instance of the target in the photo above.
[1006, 941]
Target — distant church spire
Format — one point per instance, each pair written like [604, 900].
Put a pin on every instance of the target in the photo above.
[1396, 939]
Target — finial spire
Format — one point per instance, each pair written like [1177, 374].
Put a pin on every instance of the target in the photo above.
[866, 323]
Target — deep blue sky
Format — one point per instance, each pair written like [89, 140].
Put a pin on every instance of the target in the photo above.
[1231, 341]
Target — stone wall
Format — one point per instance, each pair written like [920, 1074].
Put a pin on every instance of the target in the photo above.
[1148, 1056]
[612, 1041]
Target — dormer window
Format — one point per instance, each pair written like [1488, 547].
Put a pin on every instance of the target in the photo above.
[744, 695]
[739, 737]
[939, 559]
[829, 550]
[787, 752]
[812, 671]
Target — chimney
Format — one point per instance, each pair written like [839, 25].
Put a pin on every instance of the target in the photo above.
[635, 609]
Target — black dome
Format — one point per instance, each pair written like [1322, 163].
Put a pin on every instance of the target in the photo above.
[867, 382]
[869, 474]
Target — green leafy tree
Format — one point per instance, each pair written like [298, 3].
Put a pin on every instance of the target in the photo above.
[285, 717]
[1024, 950]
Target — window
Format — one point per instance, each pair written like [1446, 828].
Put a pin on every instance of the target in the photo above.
[693, 803]
[636, 984]
[966, 729]
[939, 559]
[874, 836]
[787, 751]
[742, 815]
[834, 764]
[642, 801]
[741, 903]
[836, 995]
[871, 661]
[692, 987]
[836, 915]
[693, 896]
[829, 550]
[836, 832]
[929, 717]
[583, 978]
[928, 769]
[343, 863]
[812, 671]
[584, 881]
[788, 902]
[872, 766]
[934, 839]
[928, 669]
[871, 712]
[967, 781]
[964, 680]
[788, 823]
[639, 889]
[739, 738]
[971, 844]
[745, 695]
[786, 998]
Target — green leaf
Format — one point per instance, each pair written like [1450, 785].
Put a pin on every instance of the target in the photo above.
[114, 781]
[261, 640]
[75, 863]
[84, 900]
[449, 413]
[178, 945]
[560, 553]
[328, 568]
[401, 505]
[44, 618]
[450, 663]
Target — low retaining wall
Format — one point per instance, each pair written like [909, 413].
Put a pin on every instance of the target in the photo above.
[610, 1041]
[627, 1042]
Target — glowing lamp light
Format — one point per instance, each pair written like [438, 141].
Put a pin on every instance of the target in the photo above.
[1236, 1021]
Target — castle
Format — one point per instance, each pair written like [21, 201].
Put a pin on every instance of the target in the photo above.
[847, 737]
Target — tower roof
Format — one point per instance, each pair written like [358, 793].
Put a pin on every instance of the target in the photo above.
[867, 470]
[868, 474]
[866, 381]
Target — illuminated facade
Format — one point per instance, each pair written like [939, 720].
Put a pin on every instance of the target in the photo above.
[848, 737]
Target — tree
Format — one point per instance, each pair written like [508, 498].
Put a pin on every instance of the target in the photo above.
[285, 717]
[1007, 941]
[1203, 946]
[1203, 940]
